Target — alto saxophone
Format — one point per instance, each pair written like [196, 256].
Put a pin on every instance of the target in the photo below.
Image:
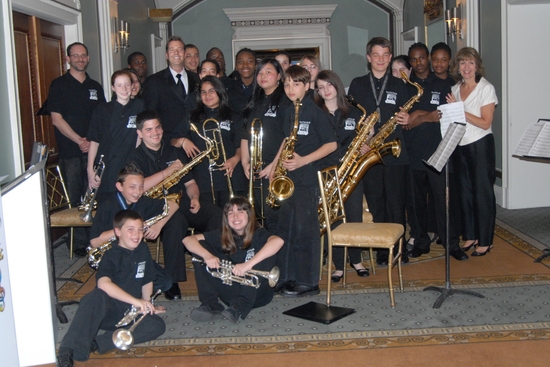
[157, 191]
[95, 254]
[282, 187]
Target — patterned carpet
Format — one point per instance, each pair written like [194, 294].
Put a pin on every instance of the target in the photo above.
[515, 308]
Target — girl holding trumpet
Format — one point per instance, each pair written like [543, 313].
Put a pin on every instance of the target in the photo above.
[240, 241]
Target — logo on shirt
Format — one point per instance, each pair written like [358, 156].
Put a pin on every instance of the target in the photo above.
[435, 98]
[349, 124]
[226, 125]
[249, 254]
[140, 273]
[93, 94]
[271, 112]
[391, 97]
[131, 122]
[303, 128]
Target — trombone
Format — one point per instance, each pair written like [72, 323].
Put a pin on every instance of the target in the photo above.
[256, 164]
[215, 155]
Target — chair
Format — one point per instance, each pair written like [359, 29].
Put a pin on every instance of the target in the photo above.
[365, 235]
[62, 214]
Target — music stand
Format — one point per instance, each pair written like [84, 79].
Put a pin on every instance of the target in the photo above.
[438, 161]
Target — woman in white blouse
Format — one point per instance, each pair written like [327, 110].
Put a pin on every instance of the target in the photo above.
[476, 151]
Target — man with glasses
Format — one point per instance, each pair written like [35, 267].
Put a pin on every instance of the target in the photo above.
[380, 91]
[71, 101]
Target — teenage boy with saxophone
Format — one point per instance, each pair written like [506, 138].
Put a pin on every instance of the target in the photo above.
[384, 184]
[124, 279]
[129, 195]
[298, 223]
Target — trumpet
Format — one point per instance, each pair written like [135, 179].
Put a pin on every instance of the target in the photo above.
[215, 154]
[256, 163]
[225, 273]
[89, 203]
[123, 338]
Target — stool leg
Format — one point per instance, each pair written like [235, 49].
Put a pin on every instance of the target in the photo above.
[71, 240]
[390, 263]
[372, 262]
[399, 264]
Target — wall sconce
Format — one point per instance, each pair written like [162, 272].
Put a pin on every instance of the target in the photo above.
[453, 21]
[122, 35]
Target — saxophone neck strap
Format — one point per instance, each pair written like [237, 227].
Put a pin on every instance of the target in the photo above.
[122, 202]
[378, 98]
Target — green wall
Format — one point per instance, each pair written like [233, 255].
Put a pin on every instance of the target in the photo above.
[206, 26]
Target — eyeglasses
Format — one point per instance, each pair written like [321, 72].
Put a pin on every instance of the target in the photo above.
[322, 88]
[310, 67]
[76, 56]
[210, 92]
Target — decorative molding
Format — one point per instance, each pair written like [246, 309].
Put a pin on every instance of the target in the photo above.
[75, 4]
[279, 15]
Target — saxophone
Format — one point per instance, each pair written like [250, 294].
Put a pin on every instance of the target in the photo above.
[282, 187]
[95, 254]
[348, 162]
[157, 191]
[359, 167]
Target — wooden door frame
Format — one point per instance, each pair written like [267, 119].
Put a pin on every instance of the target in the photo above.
[70, 19]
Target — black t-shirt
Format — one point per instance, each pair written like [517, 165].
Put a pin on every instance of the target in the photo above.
[237, 96]
[345, 128]
[422, 141]
[272, 126]
[151, 162]
[259, 239]
[113, 126]
[394, 96]
[103, 219]
[230, 133]
[128, 269]
[74, 101]
[314, 130]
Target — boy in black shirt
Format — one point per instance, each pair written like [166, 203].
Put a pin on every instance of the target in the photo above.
[129, 196]
[124, 279]
[298, 220]
[384, 184]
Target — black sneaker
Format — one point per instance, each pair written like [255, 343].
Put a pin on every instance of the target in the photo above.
[80, 252]
[94, 347]
[204, 313]
[232, 314]
[65, 358]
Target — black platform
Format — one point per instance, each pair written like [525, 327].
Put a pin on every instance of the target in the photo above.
[319, 312]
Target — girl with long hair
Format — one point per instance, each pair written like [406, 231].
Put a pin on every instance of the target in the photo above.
[212, 103]
[242, 242]
[331, 97]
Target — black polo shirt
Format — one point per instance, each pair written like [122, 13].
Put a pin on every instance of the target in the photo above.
[422, 141]
[150, 162]
[259, 239]
[128, 269]
[113, 126]
[103, 219]
[394, 96]
[345, 128]
[272, 126]
[314, 130]
[231, 141]
[74, 101]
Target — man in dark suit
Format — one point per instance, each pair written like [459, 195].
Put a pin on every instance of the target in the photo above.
[167, 90]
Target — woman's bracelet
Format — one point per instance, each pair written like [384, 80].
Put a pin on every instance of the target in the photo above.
[183, 141]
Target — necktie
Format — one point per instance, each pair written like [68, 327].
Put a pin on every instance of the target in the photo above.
[180, 84]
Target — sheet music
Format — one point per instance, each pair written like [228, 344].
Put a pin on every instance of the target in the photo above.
[535, 141]
[455, 132]
[451, 112]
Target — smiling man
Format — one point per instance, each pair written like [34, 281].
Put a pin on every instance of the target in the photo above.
[167, 90]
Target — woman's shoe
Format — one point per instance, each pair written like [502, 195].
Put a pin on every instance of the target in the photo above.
[361, 272]
[336, 278]
[476, 253]
[468, 247]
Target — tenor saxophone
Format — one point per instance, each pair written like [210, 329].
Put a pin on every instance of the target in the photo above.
[95, 254]
[157, 191]
[282, 187]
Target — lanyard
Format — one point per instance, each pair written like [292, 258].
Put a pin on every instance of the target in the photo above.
[378, 98]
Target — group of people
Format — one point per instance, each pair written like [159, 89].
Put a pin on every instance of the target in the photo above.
[162, 130]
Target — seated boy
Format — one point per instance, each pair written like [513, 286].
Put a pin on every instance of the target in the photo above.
[124, 279]
[129, 196]
[298, 221]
